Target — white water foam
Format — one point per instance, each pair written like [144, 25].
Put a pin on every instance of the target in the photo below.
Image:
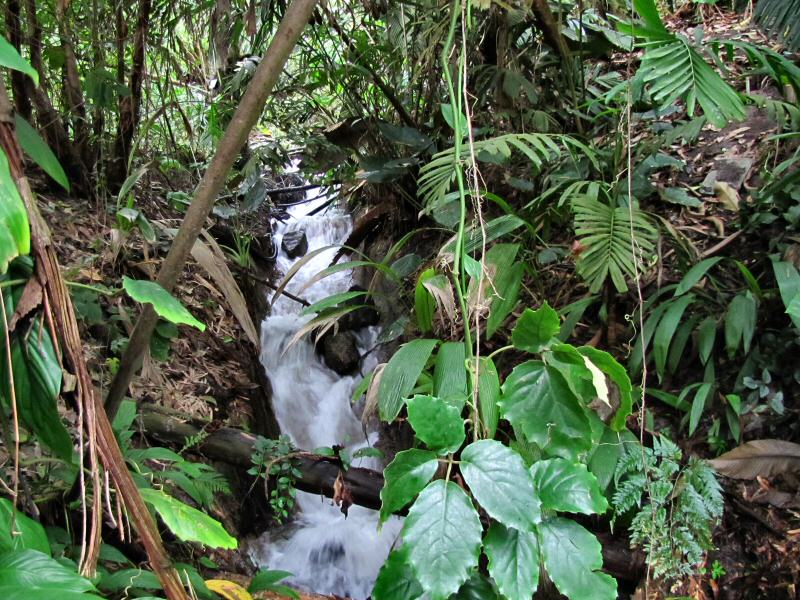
[326, 552]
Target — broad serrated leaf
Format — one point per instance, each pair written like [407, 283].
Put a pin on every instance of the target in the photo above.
[567, 487]
[404, 478]
[396, 579]
[164, 303]
[400, 376]
[537, 402]
[535, 329]
[513, 561]
[187, 523]
[443, 536]
[437, 423]
[497, 477]
[573, 559]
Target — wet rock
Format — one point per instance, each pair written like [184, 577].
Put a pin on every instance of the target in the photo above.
[340, 352]
[363, 317]
[295, 243]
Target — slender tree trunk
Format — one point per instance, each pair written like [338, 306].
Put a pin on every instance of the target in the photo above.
[72, 88]
[130, 106]
[245, 117]
[100, 436]
[22, 101]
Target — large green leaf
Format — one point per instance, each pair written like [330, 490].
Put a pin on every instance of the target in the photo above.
[443, 536]
[437, 423]
[535, 329]
[39, 151]
[187, 523]
[695, 274]
[15, 235]
[405, 477]
[788, 283]
[35, 573]
[513, 561]
[449, 371]
[573, 557]
[740, 323]
[400, 376]
[123, 579]
[9, 57]
[164, 303]
[568, 487]
[665, 332]
[37, 384]
[18, 531]
[497, 477]
[506, 280]
[489, 396]
[537, 402]
[396, 579]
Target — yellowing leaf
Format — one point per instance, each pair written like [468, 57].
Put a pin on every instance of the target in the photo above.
[598, 380]
[228, 589]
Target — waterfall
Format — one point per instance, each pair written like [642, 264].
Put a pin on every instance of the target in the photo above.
[326, 552]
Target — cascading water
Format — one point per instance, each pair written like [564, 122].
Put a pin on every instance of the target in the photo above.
[326, 552]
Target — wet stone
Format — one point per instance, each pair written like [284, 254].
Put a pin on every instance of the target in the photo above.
[295, 243]
[340, 352]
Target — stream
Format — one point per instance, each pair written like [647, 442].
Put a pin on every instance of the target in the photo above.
[327, 552]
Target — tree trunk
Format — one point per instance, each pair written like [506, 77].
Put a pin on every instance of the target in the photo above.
[245, 117]
[130, 106]
[100, 436]
[22, 102]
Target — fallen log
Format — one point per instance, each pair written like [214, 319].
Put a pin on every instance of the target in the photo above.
[319, 474]
[234, 446]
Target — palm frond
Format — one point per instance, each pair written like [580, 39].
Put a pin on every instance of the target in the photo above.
[437, 176]
[674, 69]
[780, 19]
[609, 235]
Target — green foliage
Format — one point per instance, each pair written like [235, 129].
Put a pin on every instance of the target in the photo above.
[39, 151]
[9, 57]
[683, 504]
[612, 239]
[674, 69]
[400, 376]
[19, 532]
[268, 581]
[779, 17]
[14, 231]
[272, 461]
[547, 404]
[164, 303]
[187, 523]
[33, 575]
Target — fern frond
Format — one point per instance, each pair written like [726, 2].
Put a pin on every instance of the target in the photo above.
[608, 235]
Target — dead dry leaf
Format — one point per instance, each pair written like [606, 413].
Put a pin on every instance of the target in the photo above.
[764, 458]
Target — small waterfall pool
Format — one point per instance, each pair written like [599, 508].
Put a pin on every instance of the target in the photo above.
[326, 552]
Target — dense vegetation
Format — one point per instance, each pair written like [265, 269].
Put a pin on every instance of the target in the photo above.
[578, 220]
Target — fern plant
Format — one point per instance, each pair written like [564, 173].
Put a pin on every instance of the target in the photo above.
[612, 237]
[683, 504]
